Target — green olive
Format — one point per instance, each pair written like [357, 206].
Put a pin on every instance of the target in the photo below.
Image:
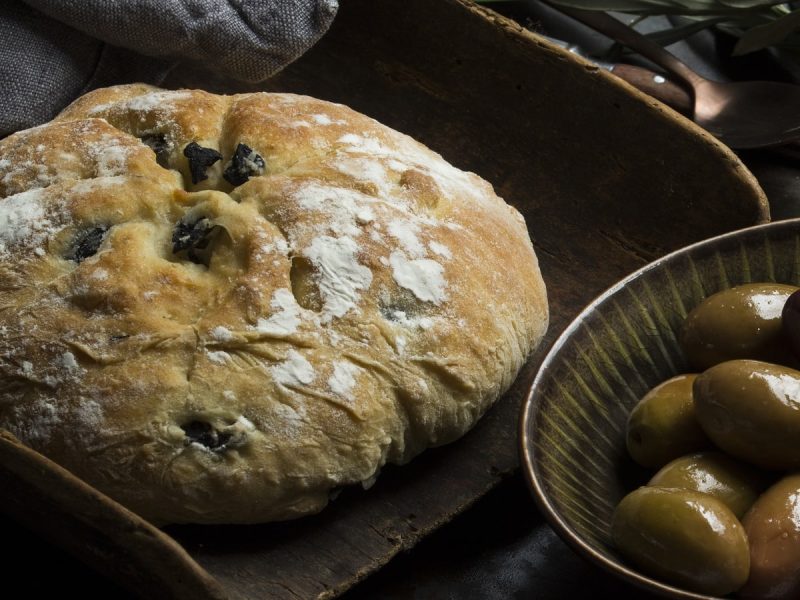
[736, 484]
[751, 410]
[662, 426]
[741, 322]
[683, 537]
[773, 529]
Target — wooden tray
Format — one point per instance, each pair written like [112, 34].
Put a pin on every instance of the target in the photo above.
[607, 179]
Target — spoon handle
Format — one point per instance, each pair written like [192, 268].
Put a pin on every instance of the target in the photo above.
[659, 87]
[667, 91]
[619, 32]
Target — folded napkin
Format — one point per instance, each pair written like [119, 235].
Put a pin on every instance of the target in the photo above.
[54, 50]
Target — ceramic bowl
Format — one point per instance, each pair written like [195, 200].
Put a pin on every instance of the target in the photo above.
[623, 344]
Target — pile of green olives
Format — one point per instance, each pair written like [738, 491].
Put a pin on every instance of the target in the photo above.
[722, 512]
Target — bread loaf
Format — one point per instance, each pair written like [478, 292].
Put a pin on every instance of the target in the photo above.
[222, 308]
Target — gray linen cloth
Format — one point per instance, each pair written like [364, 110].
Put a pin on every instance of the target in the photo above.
[52, 51]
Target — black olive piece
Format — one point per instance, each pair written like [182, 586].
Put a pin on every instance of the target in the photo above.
[389, 313]
[158, 143]
[201, 432]
[200, 159]
[195, 238]
[399, 303]
[244, 164]
[117, 338]
[86, 243]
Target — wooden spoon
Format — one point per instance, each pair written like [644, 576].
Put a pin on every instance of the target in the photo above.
[752, 114]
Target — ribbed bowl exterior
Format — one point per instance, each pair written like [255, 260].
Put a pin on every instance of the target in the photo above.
[572, 430]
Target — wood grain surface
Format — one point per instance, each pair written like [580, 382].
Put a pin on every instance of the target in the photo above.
[607, 179]
[68, 512]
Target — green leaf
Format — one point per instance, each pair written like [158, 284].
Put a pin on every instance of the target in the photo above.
[757, 23]
[672, 7]
[669, 36]
[747, 4]
[627, 6]
[769, 34]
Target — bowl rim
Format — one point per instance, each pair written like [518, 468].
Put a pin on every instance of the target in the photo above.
[531, 405]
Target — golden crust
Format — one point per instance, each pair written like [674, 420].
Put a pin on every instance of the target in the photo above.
[358, 300]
